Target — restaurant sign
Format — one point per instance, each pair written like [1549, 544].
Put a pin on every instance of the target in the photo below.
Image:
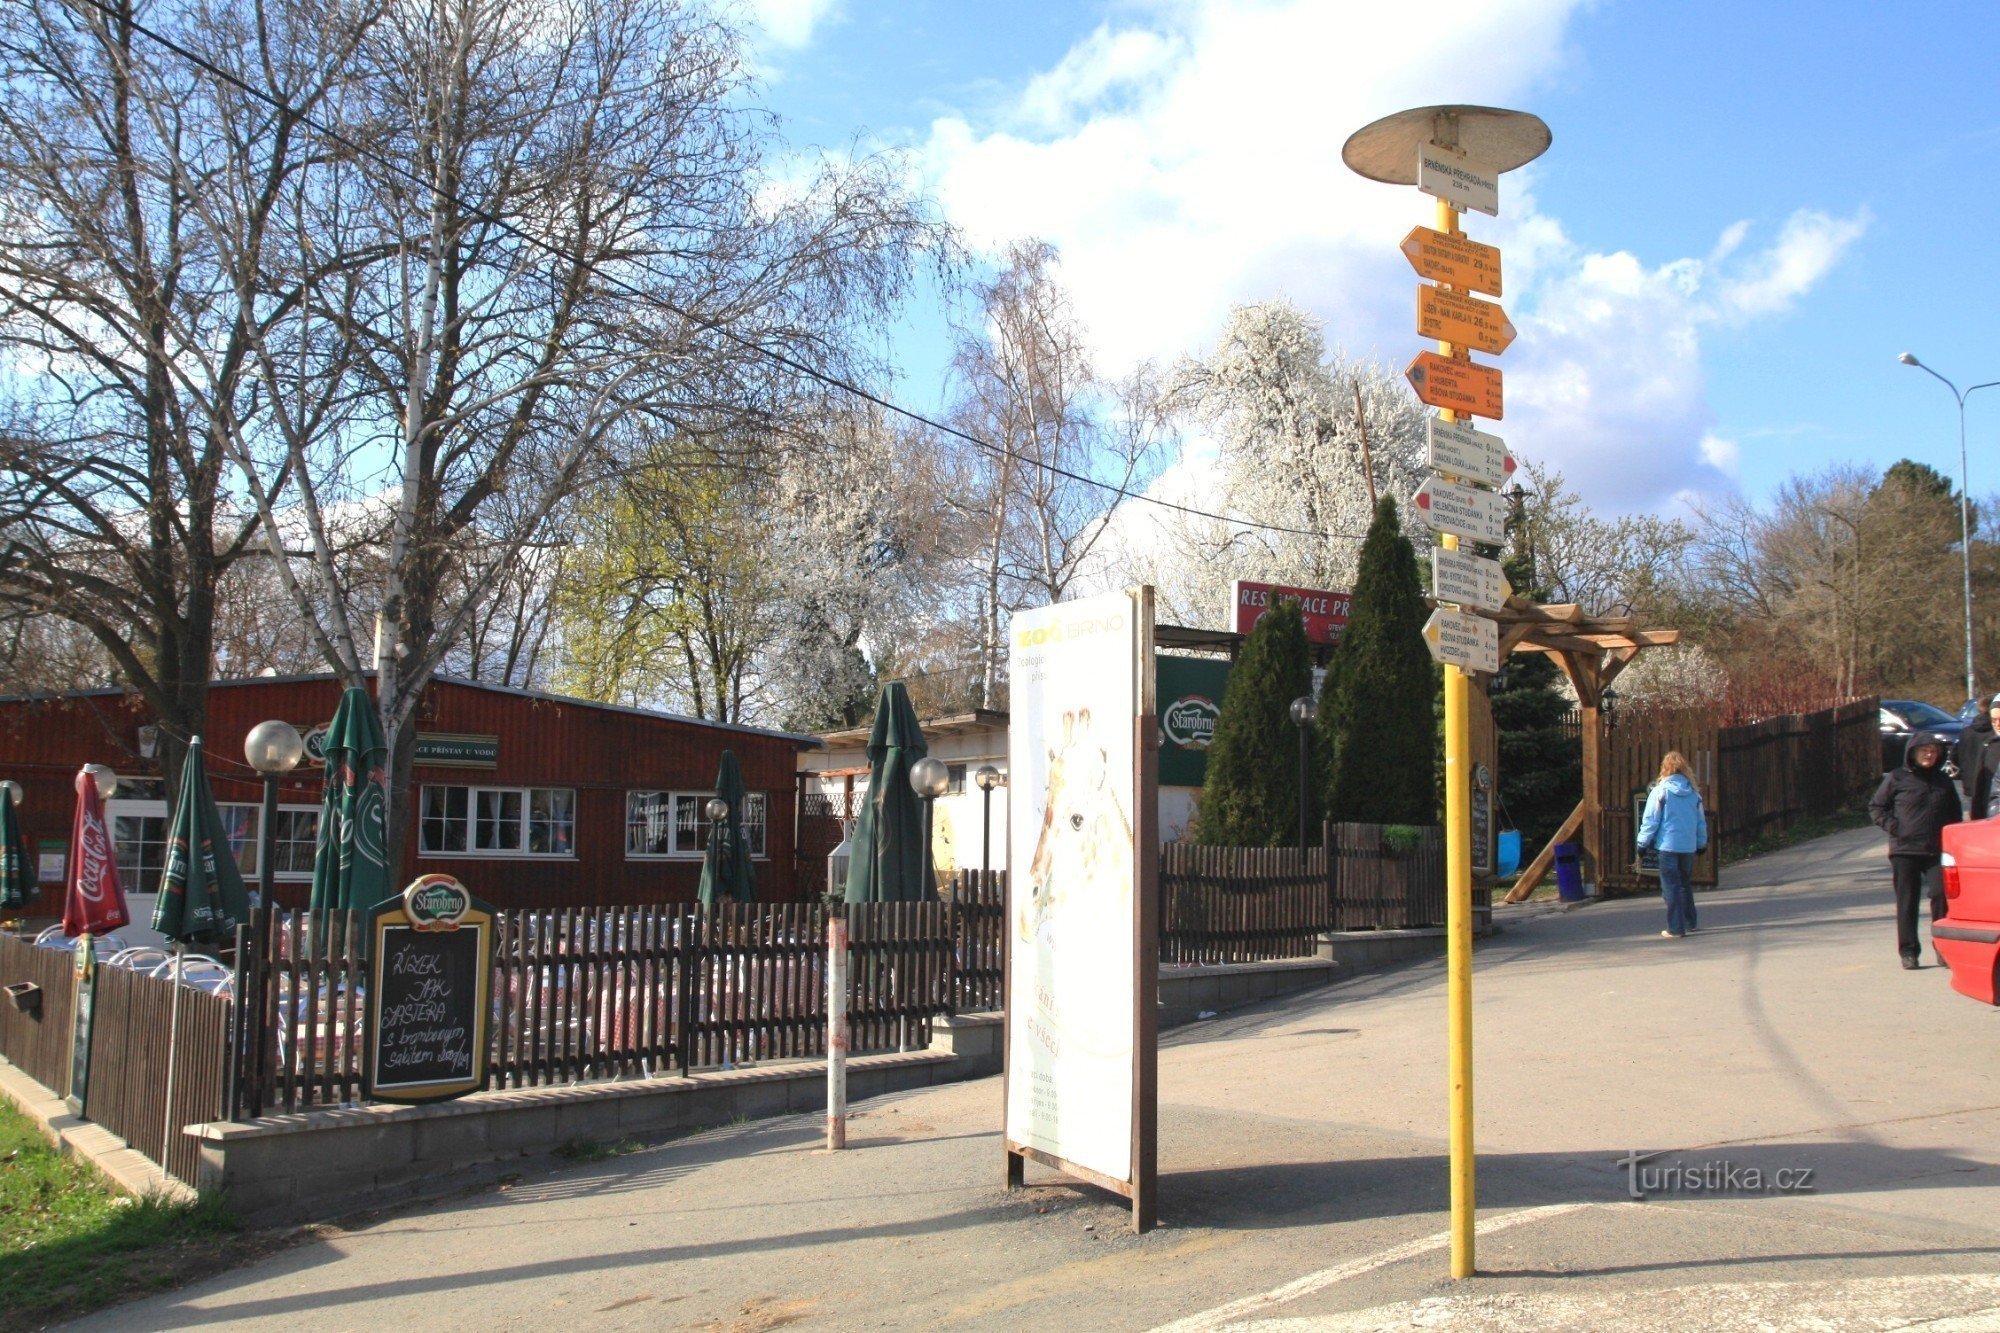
[435, 749]
[1325, 609]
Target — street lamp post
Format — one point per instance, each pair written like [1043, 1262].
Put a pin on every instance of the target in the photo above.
[1304, 710]
[1964, 505]
[717, 810]
[928, 779]
[274, 749]
[988, 777]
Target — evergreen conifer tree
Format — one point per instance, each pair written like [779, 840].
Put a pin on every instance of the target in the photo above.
[1376, 722]
[1250, 796]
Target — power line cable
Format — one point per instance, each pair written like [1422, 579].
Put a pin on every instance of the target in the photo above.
[819, 376]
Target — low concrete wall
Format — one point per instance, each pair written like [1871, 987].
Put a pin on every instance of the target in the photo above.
[1188, 993]
[321, 1163]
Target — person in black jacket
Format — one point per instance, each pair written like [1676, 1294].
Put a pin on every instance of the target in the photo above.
[1912, 806]
[1978, 762]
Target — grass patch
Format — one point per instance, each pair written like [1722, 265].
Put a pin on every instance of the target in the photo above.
[597, 1152]
[1804, 831]
[70, 1243]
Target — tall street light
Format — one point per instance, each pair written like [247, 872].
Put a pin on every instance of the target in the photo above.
[274, 749]
[1964, 505]
[988, 777]
[928, 779]
[1304, 710]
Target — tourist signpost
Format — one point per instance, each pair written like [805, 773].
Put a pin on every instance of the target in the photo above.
[1456, 386]
[1463, 640]
[1468, 580]
[1452, 317]
[1458, 154]
[1463, 511]
[1466, 265]
[1457, 450]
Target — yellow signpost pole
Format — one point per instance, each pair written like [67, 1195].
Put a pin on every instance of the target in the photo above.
[1458, 912]
[1457, 154]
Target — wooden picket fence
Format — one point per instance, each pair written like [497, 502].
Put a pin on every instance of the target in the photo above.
[590, 994]
[136, 1038]
[1241, 904]
[1386, 877]
[131, 1045]
[38, 1043]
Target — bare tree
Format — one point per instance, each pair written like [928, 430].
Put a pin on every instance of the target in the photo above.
[1066, 448]
[136, 195]
[560, 239]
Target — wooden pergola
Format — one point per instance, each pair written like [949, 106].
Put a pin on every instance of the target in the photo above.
[1591, 650]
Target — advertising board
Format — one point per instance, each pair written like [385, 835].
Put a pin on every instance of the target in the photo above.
[1083, 957]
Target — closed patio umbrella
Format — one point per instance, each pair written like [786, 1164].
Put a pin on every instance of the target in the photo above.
[888, 863]
[93, 900]
[351, 863]
[17, 875]
[726, 872]
[201, 888]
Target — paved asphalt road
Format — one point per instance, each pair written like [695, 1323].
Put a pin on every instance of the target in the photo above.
[1303, 1171]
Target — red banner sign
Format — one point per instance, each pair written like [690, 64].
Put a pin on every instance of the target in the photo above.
[1325, 609]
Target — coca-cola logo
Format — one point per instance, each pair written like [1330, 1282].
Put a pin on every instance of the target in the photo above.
[94, 858]
[1189, 722]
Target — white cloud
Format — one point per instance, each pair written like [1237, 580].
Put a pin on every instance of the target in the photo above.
[1186, 157]
[1720, 454]
[790, 23]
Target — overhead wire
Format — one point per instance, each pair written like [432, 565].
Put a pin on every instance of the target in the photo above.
[814, 373]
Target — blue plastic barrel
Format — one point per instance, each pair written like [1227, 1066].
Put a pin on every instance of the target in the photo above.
[1569, 872]
[1508, 853]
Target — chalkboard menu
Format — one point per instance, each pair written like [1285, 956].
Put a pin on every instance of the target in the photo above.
[431, 970]
[1482, 830]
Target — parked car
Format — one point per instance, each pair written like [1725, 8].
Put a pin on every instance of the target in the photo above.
[1900, 717]
[1968, 939]
[1972, 710]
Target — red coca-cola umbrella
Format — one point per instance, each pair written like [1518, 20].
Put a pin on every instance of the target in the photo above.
[93, 901]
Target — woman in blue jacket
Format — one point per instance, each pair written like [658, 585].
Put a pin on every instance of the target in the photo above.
[1676, 824]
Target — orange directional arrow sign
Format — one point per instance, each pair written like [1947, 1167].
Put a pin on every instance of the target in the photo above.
[1464, 264]
[1456, 386]
[1464, 320]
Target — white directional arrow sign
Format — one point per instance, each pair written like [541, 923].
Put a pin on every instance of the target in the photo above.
[1464, 511]
[1472, 455]
[1468, 579]
[1469, 642]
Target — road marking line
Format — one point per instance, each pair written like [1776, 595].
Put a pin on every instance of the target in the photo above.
[1223, 1315]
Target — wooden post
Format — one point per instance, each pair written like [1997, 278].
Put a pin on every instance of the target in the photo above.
[836, 1032]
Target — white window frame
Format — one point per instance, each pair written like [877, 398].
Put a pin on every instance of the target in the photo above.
[518, 852]
[117, 808]
[675, 796]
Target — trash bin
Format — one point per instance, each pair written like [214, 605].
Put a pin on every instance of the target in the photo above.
[1569, 872]
[1507, 856]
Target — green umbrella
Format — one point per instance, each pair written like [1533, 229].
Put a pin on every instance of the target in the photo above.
[726, 871]
[17, 874]
[888, 849]
[201, 890]
[351, 863]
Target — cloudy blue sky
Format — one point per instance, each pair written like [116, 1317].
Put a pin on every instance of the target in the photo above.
[1750, 208]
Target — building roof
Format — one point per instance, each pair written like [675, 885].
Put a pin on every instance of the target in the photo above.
[803, 741]
[956, 724]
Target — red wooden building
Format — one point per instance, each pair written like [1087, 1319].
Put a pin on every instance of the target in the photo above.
[529, 799]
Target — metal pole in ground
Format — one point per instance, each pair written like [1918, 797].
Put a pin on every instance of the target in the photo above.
[836, 1032]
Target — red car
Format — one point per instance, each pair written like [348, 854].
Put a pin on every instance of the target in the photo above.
[1969, 936]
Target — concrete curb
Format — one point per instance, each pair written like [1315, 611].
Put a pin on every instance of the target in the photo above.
[129, 1170]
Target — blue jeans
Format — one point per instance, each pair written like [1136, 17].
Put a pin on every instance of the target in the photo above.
[1677, 887]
